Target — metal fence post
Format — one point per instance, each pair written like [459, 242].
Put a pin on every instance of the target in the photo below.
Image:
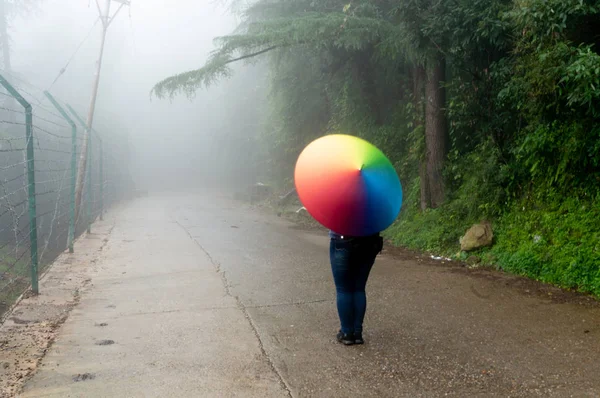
[79, 119]
[90, 193]
[101, 177]
[31, 197]
[71, 234]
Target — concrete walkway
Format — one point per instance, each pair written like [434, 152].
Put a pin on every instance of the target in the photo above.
[194, 296]
[158, 321]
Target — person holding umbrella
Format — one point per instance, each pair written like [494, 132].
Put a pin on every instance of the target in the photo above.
[351, 261]
[351, 188]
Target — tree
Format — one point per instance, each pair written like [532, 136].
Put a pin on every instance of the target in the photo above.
[8, 10]
[349, 37]
[455, 65]
[488, 108]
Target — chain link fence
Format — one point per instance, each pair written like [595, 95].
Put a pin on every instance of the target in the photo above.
[40, 141]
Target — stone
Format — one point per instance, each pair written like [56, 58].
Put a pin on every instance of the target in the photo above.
[479, 235]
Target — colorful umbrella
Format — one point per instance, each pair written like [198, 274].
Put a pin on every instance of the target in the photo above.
[348, 185]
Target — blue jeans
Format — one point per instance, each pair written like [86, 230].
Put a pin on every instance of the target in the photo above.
[351, 262]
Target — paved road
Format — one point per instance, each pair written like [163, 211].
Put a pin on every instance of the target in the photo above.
[203, 297]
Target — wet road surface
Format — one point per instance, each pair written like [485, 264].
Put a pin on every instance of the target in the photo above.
[204, 297]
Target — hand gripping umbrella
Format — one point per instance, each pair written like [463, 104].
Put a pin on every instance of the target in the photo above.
[348, 185]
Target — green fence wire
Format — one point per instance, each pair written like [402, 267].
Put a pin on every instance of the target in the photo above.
[40, 140]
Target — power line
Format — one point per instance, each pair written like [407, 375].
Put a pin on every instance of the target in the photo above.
[63, 70]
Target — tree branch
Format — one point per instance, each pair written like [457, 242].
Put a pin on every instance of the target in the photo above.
[250, 55]
[175, 81]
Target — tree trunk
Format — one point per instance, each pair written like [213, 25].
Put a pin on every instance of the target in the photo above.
[425, 194]
[418, 117]
[366, 79]
[436, 133]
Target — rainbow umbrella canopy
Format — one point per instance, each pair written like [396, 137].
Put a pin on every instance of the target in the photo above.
[348, 185]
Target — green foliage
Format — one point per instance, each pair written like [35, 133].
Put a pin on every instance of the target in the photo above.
[334, 30]
[555, 242]
[557, 154]
[525, 148]
[555, 88]
[551, 239]
[478, 194]
[523, 99]
[298, 111]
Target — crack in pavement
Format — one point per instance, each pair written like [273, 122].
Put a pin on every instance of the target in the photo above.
[242, 308]
[121, 316]
[215, 308]
[293, 303]
[119, 278]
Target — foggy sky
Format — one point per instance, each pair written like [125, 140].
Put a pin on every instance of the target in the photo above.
[146, 43]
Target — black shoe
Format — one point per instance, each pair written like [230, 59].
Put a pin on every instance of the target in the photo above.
[345, 338]
[358, 339]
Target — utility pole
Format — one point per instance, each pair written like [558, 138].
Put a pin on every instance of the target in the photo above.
[106, 19]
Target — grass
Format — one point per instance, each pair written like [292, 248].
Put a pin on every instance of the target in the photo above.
[556, 242]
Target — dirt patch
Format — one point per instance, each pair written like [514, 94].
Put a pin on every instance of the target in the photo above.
[529, 287]
[401, 253]
[31, 327]
[24, 345]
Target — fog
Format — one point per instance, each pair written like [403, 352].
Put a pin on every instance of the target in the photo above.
[174, 144]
